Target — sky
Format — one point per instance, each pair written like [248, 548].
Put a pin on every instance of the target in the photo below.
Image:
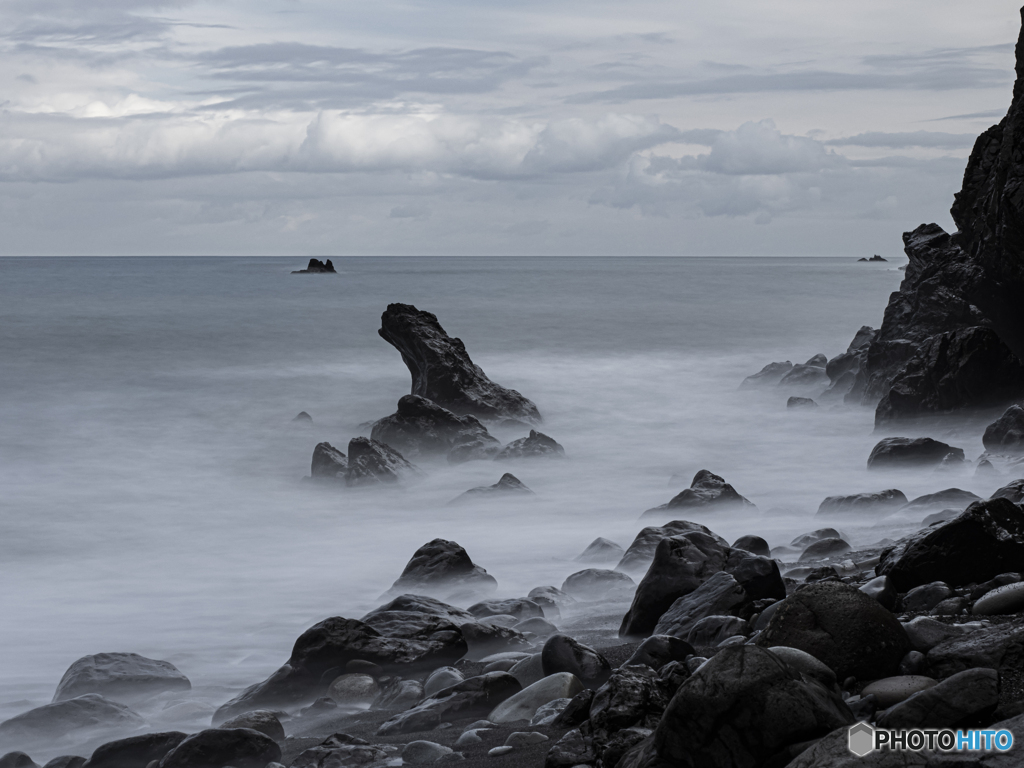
[473, 127]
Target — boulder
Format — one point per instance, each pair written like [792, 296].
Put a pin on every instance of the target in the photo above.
[985, 540]
[632, 696]
[562, 653]
[508, 485]
[440, 567]
[1001, 600]
[598, 584]
[741, 708]
[805, 540]
[712, 631]
[136, 750]
[881, 588]
[825, 548]
[992, 648]
[17, 760]
[907, 452]
[600, 551]
[1006, 434]
[424, 752]
[59, 719]
[351, 689]
[708, 492]
[874, 503]
[422, 428]
[951, 498]
[720, 595]
[800, 402]
[330, 645]
[890, 691]
[536, 626]
[536, 446]
[524, 705]
[1011, 492]
[571, 750]
[806, 664]
[472, 697]
[328, 463]
[398, 695]
[770, 374]
[658, 650]
[262, 720]
[372, 463]
[529, 670]
[641, 552]
[842, 627]
[805, 377]
[962, 699]
[441, 678]
[317, 267]
[218, 747]
[407, 603]
[925, 597]
[519, 608]
[125, 677]
[64, 761]
[753, 544]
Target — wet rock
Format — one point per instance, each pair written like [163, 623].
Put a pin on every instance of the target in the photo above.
[633, 696]
[1001, 600]
[731, 713]
[598, 583]
[926, 596]
[753, 544]
[262, 720]
[441, 566]
[801, 402]
[1011, 492]
[475, 696]
[136, 750]
[842, 627]
[925, 632]
[951, 606]
[708, 492]
[341, 751]
[372, 463]
[641, 552]
[951, 498]
[991, 648]
[712, 631]
[524, 705]
[17, 760]
[980, 543]
[806, 376]
[529, 670]
[439, 679]
[442, 371]
[508, 485]
[576, 711]
[218, 747]
[806, 664]
[999, 581]
[66, 761]
[125, 677]
[548, 713]
[562, 653]
[330, 645]
[720, 595]
[881, 588]
[1006, 434]
[348, 689]
[571, 750]
[423, 752]
[61, 718]
[658, 650]
[860, 503]
[316, 267]
[328, 463]
[423, 428]
[769, 375]
[399, 695]
[520, 608]
[805, 540]
[601, 550]
[914, 663]
[907, 452]
[892, 690]
[825, 548]
[958, 700]
[536, 446]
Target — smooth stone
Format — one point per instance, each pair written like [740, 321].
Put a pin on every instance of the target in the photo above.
[528, 671]
[562, 653]
[442, 678]
[601, 550]
[262, 720]
[712, 631]
[914, 663]
[925, 633]
[237, 747]
[892, 690]
[470, 737]
[1001, 600]
[512, 656]
[825, 548]
[424, 752]
[60, 719]
[524, 705]
[806, 664]
[958, 699]
[499, 666]
[753, 544]
[881, 588]
[597, 584]
[538, 626]
[17, 760]
[525, 738]
[499, 751]
[926, 596]
[123, 677]
[355, 689]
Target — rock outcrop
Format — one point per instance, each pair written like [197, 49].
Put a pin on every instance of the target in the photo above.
[443, 372]
[1006, 434]
[442, 566]
[707, 493]
[316, 267]
[422, 428]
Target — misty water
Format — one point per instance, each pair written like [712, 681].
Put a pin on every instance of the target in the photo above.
[152, 493]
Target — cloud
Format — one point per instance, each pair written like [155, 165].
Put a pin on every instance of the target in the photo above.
[934, 139]
[414, 211]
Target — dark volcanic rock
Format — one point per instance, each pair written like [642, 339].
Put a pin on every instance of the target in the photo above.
[658, 650]
[720, 595]
[1006, 434]
[753, 544]
[316, 267]
[1011, 492]
[536, 446]
[742, 708]
[370, 462]
[903, 452]
[806, 376]
[1000, 647]
[708, 492]
[631, 696]
[978, 544]
[770, 374]
[801, 402]
[124, 677]
[135, 751]
[948, 499]
[328, 463]
[825, 548]
[475, 696]
[218, 747]
[442, 371]
[562, 653]
[53, 721]
[263, 720]
[641, 552]
[875, 503]
[509, 484]
[842, 627]
[423, 428]
[17, 760]
[601, 550]
[598, 583]
[443, 566]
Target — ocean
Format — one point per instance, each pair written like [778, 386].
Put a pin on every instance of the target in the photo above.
[152, 477]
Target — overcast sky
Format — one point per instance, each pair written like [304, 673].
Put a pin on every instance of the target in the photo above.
[308, 127]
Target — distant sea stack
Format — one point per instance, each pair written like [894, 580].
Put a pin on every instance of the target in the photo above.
[317, 267]
[876, 257]
[953, 335]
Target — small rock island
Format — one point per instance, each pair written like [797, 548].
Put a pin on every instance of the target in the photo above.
[316, 267]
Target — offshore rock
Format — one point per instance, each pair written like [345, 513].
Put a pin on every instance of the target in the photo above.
[371, 462]
[317, 267]
[904, 452]
[124, 677]
[508, 485]
[328, 463]
[443, 566]
[443, 372]
[708, 492]
[536, 446]
[422, 428]
[641, 552]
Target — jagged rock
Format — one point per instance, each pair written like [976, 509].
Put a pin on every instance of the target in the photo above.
[571, 750]
[1006, 434]
[316, 267]
[989, 648]
[708, 492]
[633, 696]
[903, 452]
[328, 463]
[753, 544]
[303, 418]
[951, 498]
[370, 463]
[475, 696]
[825, 548]
[330, 645]
[262, 720]
[442, 371]
[56, 720]
[508, 485]
[842, 627]
[536, 446]
[875, 503]
[525, 704]
[658, 650]
[404, 604]
[217, 747]
[641, 552]
[601, 550]
[770, 374]
[1011, 492]
[562, 653]
[712, 631]
[340, 751]
[982, 542]
[720, 595]
[801, 402]
[125, 677]
[136, 750]
[442, 566]
[597, 584]
[806, 376]
[957, 700]
[577, 711]
[741, 708]
[423, 428]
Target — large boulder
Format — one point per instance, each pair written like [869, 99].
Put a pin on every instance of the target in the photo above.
[441, 567]
[905, 452]
[524, 705]
[720, 595]
[951, 498]
[508, 486]
[874, 503]
[833, 751]
[978, 544]
[598, 584]
[744, 707]
[59, 719]
[562, 653]
[1011, 492]
[707, 493]
[600, 551]
[328, 647]
[842, 627]
[422, 428]
[124, 677]
[1006, 434]
[372, 463]
[442, 371]
[641, 552]
[262, 720]
[536, 445]
[475, 696]
[135, 750]
[219, 747]
[329, 464]
[633, 696]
